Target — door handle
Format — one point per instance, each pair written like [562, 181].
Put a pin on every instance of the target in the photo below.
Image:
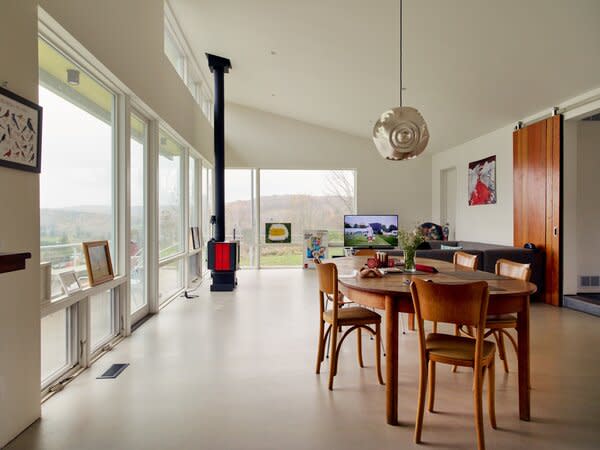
[555, 231]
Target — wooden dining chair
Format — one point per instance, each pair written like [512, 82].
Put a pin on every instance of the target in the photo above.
[356, 318]
[366, 252]
[459, 304]
[499, 324]
[468, 261]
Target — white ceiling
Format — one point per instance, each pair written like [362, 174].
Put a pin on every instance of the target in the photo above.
[470, 66]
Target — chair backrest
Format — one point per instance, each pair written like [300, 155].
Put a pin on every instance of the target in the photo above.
[366, 252]
[513, 269]
[328, 276]
[465, 260]
[463, 304]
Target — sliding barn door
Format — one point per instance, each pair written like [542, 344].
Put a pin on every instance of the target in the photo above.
[537, 153]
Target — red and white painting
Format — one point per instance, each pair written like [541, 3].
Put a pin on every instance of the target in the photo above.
[482, 181]
[20, 141]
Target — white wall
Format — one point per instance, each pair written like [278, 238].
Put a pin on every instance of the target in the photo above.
[569, 231]
[258, 139]
[19, 231]
[588, 204]
[127, 38]
[482, 223]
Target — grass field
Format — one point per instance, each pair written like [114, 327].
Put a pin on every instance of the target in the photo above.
[360, 240]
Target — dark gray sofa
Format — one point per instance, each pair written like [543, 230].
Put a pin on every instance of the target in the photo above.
[488, 255]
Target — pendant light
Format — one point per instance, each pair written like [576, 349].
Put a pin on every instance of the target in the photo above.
[400, 133]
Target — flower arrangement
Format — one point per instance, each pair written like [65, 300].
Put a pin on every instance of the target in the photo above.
[410, 240]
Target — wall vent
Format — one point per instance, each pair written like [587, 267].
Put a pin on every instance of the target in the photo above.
[589, 281]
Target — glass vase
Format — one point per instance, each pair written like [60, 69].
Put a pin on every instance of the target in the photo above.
[409, 259]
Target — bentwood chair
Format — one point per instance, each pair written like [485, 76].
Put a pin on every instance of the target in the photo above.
[357, 318]
[459, 304]
[464, 260]
[498, 324]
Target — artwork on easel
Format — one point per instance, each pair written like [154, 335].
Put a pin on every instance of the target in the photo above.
[315, 246]
[20, 132]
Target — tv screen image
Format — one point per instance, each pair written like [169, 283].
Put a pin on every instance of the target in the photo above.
[371, 231]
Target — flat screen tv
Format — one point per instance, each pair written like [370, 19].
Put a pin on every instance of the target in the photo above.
[371, 231]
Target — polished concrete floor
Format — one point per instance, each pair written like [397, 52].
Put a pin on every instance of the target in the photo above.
[236, 371]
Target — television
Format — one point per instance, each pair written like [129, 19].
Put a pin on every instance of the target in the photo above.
[371, 231]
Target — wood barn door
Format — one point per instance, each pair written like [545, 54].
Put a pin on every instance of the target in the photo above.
[537, 163]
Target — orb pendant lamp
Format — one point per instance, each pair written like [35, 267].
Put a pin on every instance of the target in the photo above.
[400, 133]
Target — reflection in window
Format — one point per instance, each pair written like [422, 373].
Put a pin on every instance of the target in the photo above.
[170, 195]
[170, 279]
[76, 185]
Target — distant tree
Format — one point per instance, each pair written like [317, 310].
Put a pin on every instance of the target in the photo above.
[339, 185]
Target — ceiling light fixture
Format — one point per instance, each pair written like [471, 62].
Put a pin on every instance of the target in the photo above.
[400, 133]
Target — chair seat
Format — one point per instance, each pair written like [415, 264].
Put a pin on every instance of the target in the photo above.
[456, 350]
[352, 316]
[501, 321]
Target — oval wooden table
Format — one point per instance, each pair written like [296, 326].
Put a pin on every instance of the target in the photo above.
[391, 293]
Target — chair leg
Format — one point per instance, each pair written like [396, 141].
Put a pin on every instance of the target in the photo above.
[421, 399]
[321, 347]
[456, 333]
[492, 392]
[431, 385]
[333, 356]
[501, 349]
[359, 347]
[378, 352]
[477, 399]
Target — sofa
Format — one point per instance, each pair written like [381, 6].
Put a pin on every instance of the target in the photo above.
[488, 255]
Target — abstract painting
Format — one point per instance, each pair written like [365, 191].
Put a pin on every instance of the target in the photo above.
[20, 132]
[278, 233]
[482, 181]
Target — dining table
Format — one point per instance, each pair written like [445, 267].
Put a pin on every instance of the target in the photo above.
[391, 293]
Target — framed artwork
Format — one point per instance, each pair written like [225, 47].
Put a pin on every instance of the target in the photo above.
[195, 237]
[278, 233]
[69, 282]
[482, 181]
[98, 262]
[315, 246]
[20, 132]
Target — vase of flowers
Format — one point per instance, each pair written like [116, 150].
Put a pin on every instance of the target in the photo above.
[410, 240]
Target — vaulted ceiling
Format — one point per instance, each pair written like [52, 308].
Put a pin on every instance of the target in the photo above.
[470, 66]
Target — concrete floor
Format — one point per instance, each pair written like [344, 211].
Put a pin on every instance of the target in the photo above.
[236, 371]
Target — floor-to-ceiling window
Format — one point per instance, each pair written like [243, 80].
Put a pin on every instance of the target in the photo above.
[309, 200]
[77, 191]
[207, 209]
[239, 213]
[171, 216]
[137, 247]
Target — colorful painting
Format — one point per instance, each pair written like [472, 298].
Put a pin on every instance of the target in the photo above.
[278, 233]
[482, 181]
[315, 246]
[20, 132]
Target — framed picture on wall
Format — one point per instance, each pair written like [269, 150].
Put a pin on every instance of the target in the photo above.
[98, 262]
[20, 132]
[482, 181]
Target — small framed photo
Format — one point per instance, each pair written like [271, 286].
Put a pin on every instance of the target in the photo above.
[195, 235]
[69, 282]
[98, 262]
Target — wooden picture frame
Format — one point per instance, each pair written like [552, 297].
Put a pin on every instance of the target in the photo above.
[69, 282]
[195, 237]
[98, 262]
[20, 132]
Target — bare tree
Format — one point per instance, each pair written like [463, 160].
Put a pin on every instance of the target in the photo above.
[339, 184]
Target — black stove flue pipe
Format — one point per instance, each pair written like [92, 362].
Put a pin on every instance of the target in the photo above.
[219, 66]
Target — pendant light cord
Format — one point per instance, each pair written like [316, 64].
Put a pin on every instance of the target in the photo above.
[401, 30]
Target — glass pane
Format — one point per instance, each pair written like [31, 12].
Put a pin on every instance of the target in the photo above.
[101, 318]
[193, 193]
[194, 267]
[173, 52]
[137, 246]
[238, 212]
[309, 200]
[170, 279]
[170, 225]
[207, 210]
[76, 185]
[54, 342]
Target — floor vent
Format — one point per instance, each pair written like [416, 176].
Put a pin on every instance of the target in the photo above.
[113, 371]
